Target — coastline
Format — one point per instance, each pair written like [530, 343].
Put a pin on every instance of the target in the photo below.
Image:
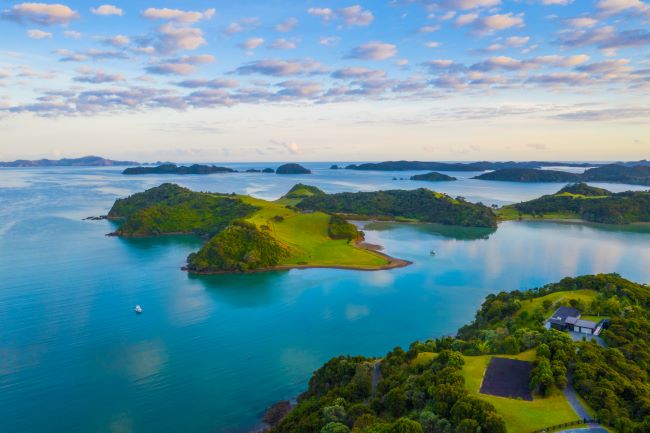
[393, 263]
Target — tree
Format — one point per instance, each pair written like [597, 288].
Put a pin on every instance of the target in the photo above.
[404, 425]
[335, 427]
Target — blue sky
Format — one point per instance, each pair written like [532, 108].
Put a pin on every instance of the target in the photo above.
[330, 80]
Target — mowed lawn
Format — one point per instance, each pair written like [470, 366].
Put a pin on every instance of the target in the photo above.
[305, 234]
[521, 416]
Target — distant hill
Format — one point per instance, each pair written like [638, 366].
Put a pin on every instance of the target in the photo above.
[459, 166]
[433, 177]
[86, 161]
[529, 175]
[176, 169]
[292, 168]
[636, 174]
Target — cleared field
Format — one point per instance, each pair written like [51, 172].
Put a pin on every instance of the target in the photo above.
[305, 234]
[531, 305]
[507, 213]
[521, 416]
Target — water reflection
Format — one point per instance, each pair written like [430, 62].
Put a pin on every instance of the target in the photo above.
[454, 232]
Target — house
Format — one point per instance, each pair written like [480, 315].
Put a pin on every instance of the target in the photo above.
[568, 319]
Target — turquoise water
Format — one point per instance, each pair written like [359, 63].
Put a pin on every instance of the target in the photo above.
[209, 354]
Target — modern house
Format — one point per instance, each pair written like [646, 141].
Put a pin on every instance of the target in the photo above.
[568, 319]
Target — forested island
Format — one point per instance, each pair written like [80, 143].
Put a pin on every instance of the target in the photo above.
[436, 386]
[292, 168]
[433, 177]
[304, 228]
[529, 175]
[612, 173]
[86, 161]
[584, 202]
[178, 169]
[459, 166]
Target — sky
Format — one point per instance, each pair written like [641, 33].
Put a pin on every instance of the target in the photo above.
[212, 81]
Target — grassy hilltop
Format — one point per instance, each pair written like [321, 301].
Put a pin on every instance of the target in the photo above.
[581, 201]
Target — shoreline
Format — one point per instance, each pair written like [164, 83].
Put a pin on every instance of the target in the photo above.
[393, 263]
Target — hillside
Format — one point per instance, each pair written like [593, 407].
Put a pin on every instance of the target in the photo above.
[415, 205]
[587, 203]
[615, 173]
[247, 234]
[458, 166]
[529, 175]
[434, 386]
[433, 177]
[176, 169]
[86, 161]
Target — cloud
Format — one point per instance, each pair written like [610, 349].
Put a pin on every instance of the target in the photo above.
[517, 41]
[432, 44]
[39, 34]
[428, 29]
[116, 41]
[612, 7]
[217, 83]
[465, 19]
[607, 67]
[329, 41]
[358, 73]
[492, 23]
[177, 15]
[351, 16]
[251, 43]
[582, 22]
[287, 25]
[107, 10]
[299, 89]
[374, 50]
[557, 2]
[606, 37]
[291, 147]
[283, 44]
[171, 38]
[245, 24]
[180, 66]
[470, 4]
[97, 77]
[281, 68]
[40, 13]
[607, 114]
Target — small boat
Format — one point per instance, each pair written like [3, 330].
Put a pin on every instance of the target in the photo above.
[433, 253]
[138, 309]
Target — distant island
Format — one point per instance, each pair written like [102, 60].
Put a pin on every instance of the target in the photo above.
[86, 161]
[178, 169]
[292, 168]
[433, 177]
[305, 228]
[529, 175]
[584, 202]
[611, 173]
[459, 166]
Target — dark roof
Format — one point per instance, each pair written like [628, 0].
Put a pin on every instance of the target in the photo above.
[563, 312]
[586, 324]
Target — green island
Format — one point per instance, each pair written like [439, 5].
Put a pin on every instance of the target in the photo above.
[529, 175]
[178, 169]
[433, 176]
[442, 385]
[584, 202]
[245, 234]
[612, 173]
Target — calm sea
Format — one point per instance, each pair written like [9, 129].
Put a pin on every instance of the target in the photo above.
[209, 354]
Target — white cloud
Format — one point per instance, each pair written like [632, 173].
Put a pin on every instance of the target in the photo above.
[329, 41]
[498, 22]
[177, 15]
[40, 13]
[107, 10]
[72, 34]
[172, 38]
[470, 4]
[181, 66]
[517, 41]
[432, 44]
[611, 7]
[251, 43]
[351, 16]
[291, 147]
[557, 2]
[465, 19]
[287, 25]
[245, 24]
[374, 50]
[117, 40]
[582, 22]
[39, 34]
[283, 44]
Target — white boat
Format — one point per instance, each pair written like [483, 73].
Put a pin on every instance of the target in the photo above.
[138, 309]
[433, 253]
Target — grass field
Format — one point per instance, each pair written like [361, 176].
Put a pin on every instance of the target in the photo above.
[531, 305]
[508, 213]
[305, 235]
[520, 416]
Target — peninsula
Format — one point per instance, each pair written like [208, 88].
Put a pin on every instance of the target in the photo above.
[611, 173]
[86, 161]
[507, 371]
[529, 175]
[459, 166]
[584, 202]
[302, 229]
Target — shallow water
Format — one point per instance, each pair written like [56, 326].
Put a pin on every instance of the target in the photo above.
[209, 354]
